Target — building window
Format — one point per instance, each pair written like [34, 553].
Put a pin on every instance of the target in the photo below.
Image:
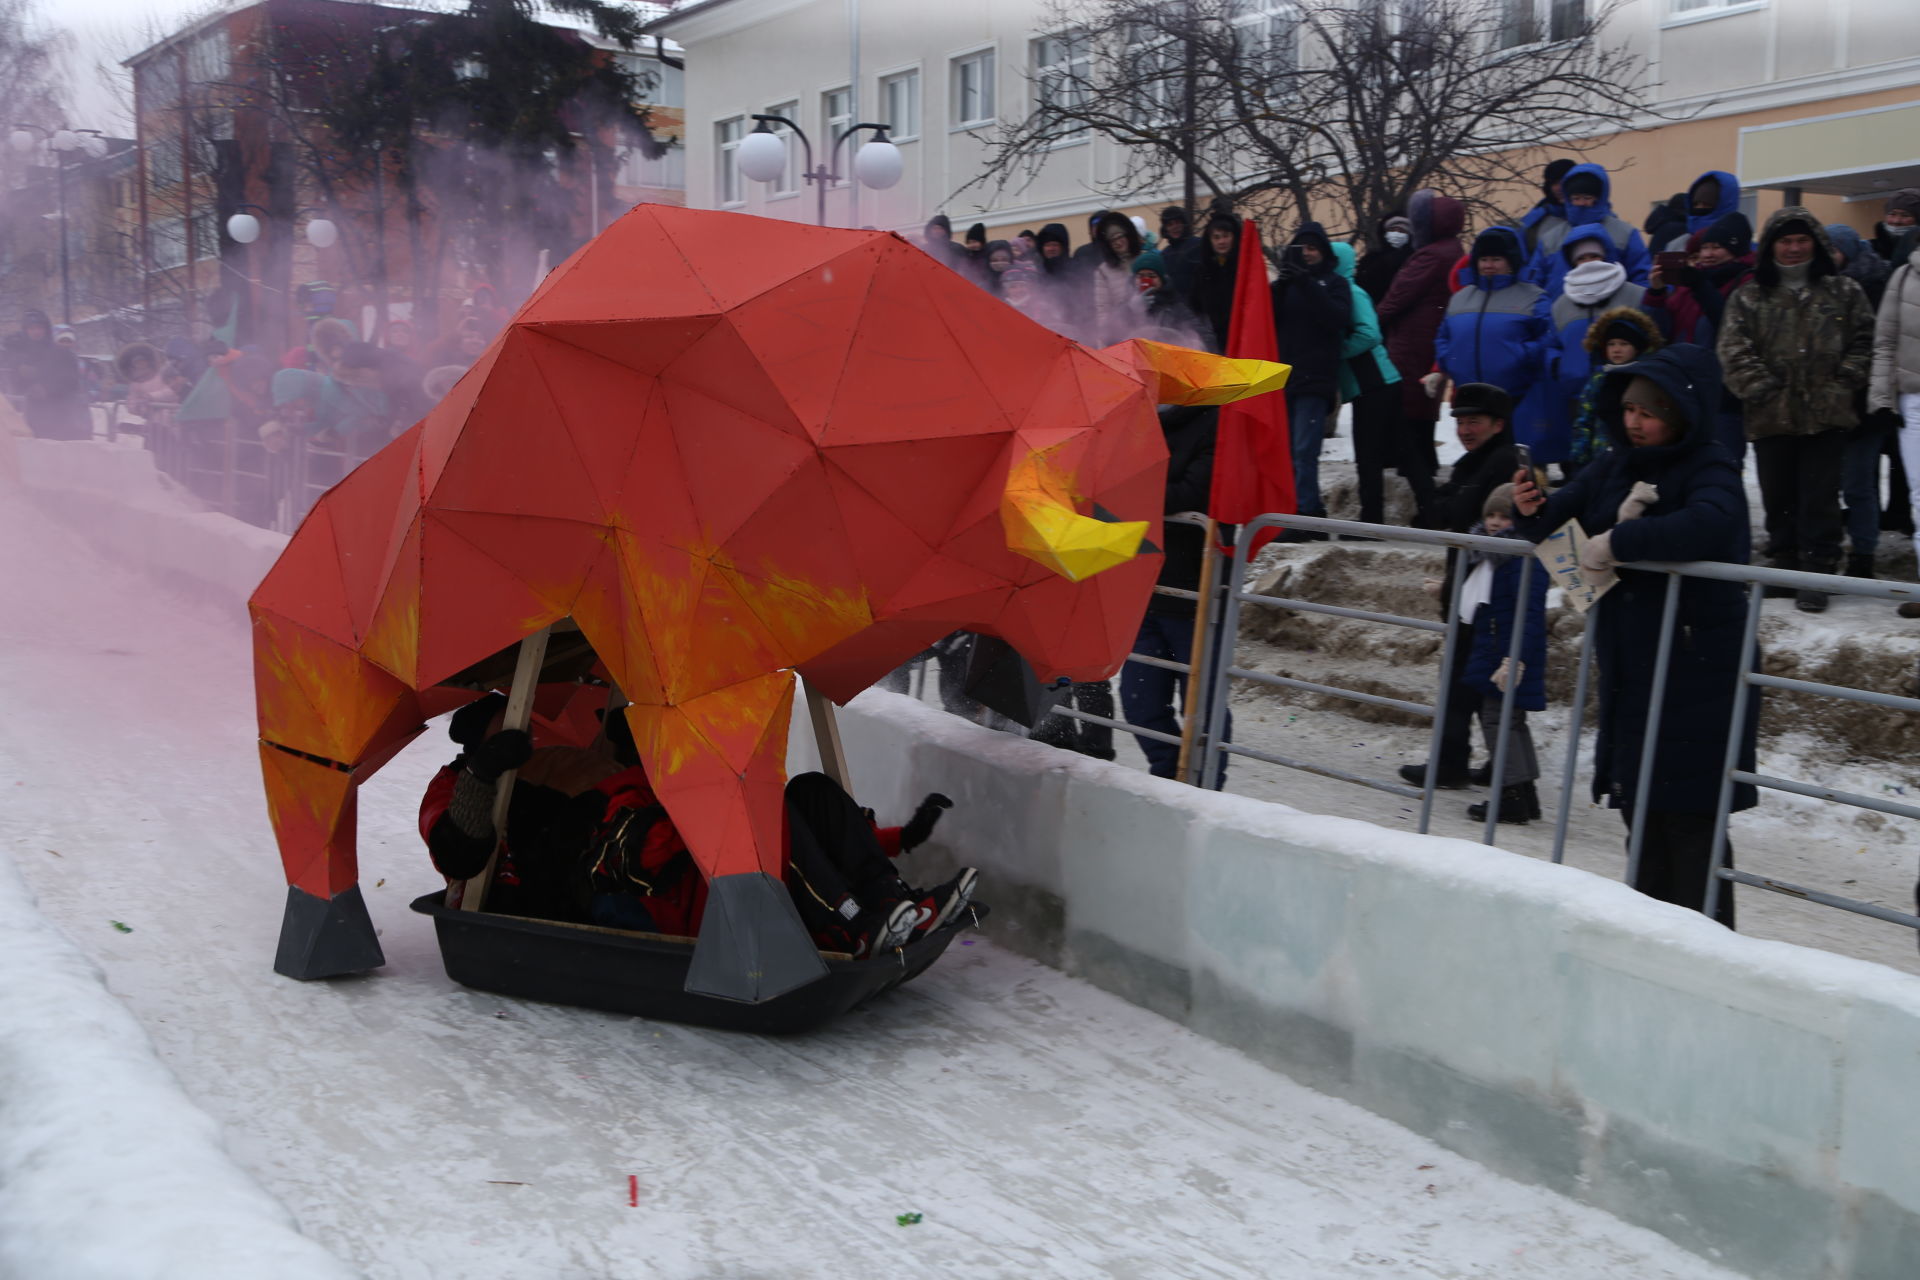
[1154, 65]
[727, 184]
[900, 105]
[164, 163]
[1269, 32]
[158, 83]
[664, 172]
[1524, 22]
[167, 243]
[789, 180]
[1061, 66]
[209, 60]
[973, 97]
[836, 117]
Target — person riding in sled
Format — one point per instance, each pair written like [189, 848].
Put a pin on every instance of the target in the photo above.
[589, 842]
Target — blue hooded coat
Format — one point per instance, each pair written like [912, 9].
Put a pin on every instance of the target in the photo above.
[1728, 202]
[1549, 266]
[1568, 362]
[1495, 329]
[1701, 515]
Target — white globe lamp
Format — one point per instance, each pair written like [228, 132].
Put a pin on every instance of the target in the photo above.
[243, 228]
[321, 233]
[878, 164]
[65, 140]
[762, 155]
[21, 140]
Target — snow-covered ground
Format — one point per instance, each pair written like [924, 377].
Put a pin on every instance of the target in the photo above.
[418, 1129]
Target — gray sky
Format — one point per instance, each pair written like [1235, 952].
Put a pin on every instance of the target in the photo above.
[108, 30]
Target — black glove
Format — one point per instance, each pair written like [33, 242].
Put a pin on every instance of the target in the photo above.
[507, 749]
[920, 826]
[469, 724]
[1884, 420]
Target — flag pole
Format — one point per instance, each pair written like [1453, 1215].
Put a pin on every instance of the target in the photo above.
[1198, 652]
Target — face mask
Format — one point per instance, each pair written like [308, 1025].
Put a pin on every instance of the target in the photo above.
[1398, 239]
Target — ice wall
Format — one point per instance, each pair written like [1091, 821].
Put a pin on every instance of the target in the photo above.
[1755, 1101]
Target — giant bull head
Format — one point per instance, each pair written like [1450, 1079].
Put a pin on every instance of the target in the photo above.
[727, 449]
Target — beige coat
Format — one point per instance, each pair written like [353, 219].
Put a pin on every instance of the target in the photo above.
[1896, 339]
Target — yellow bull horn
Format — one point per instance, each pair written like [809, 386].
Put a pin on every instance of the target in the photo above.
[1037, 511]
[1186, 376]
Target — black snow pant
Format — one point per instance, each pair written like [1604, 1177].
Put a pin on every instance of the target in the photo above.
[1674, 859]
[834, 855]
[1800, 489]
[1380, 444]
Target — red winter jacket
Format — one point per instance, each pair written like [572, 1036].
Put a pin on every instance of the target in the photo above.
[1411, 313]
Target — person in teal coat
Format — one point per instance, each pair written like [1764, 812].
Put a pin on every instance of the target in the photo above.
[1368, 382]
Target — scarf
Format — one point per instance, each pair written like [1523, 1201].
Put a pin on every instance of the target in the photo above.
[1795, 277]
[1592, 283]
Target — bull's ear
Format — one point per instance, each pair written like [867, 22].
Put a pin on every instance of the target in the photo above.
[1185, 376]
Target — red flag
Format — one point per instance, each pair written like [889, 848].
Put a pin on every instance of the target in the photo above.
[1252, 451]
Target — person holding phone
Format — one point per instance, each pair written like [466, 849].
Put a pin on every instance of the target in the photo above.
[1664, 490]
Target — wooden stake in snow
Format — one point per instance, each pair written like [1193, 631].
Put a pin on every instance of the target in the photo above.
[519, 714]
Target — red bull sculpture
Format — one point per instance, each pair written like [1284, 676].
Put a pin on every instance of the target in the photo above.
[728, 449]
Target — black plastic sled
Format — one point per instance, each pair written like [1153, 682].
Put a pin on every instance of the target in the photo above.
[645, 973]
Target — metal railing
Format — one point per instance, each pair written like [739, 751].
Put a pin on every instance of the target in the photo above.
[1233, 595]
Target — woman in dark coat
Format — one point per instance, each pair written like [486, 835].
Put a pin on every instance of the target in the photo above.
[1410, 316]
[1658, 413]
[47, 376]
[1212, 296]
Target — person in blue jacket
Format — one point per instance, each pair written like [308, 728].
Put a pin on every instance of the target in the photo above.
[1713, 195]
[1596, 283]
[1550, 210]
[1491, 607]
[1369, 382]
[1589, 204]
[1495, 327]
[1664, 490]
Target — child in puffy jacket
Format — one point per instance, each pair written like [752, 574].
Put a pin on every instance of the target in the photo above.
[1490, 603]
[1616, 337]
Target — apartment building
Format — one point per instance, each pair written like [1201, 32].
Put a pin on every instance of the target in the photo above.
[1813, 99]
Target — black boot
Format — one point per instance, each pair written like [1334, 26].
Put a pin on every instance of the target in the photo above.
[1792, 565]
[1860, 564]
[1416, 775]
[1811, 600]
[1519, 804]
[1483, 776]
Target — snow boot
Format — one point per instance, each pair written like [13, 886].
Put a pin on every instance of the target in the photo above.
[1519, 804]
[1483, 776]
[1416, 775]
[1792, 565]
[1860, 564]
[1812, 600]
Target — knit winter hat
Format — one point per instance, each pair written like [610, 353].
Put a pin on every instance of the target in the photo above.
[1649, 396]
[1556, 171]
[1792, 227]
[1907, 198]
[1733, 233]
[1499, 502]
[1497, 242]
[1628, 332]
[978, 231]
[1398, 222]
[1150, 260]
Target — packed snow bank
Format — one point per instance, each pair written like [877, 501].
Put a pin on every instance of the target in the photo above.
[112, 494]
[107, 1171]
[1751, 1100]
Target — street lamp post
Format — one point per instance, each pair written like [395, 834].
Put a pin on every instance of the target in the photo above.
[245, 228]
[763, 157]
[60, 141]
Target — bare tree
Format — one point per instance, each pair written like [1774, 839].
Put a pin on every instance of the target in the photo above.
[30, 93]
[1323, 104]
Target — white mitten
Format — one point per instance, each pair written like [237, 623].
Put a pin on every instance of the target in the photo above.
[1636, 503]
[1432, 383]
[1596, 560]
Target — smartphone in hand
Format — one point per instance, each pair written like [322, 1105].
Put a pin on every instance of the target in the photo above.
[1670, 262]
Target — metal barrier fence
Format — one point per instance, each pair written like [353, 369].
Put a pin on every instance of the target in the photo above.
[1232, 595]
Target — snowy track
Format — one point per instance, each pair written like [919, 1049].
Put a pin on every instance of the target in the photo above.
[421, 1130]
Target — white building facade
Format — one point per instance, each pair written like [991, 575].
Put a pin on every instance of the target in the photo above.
[1818, 99]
